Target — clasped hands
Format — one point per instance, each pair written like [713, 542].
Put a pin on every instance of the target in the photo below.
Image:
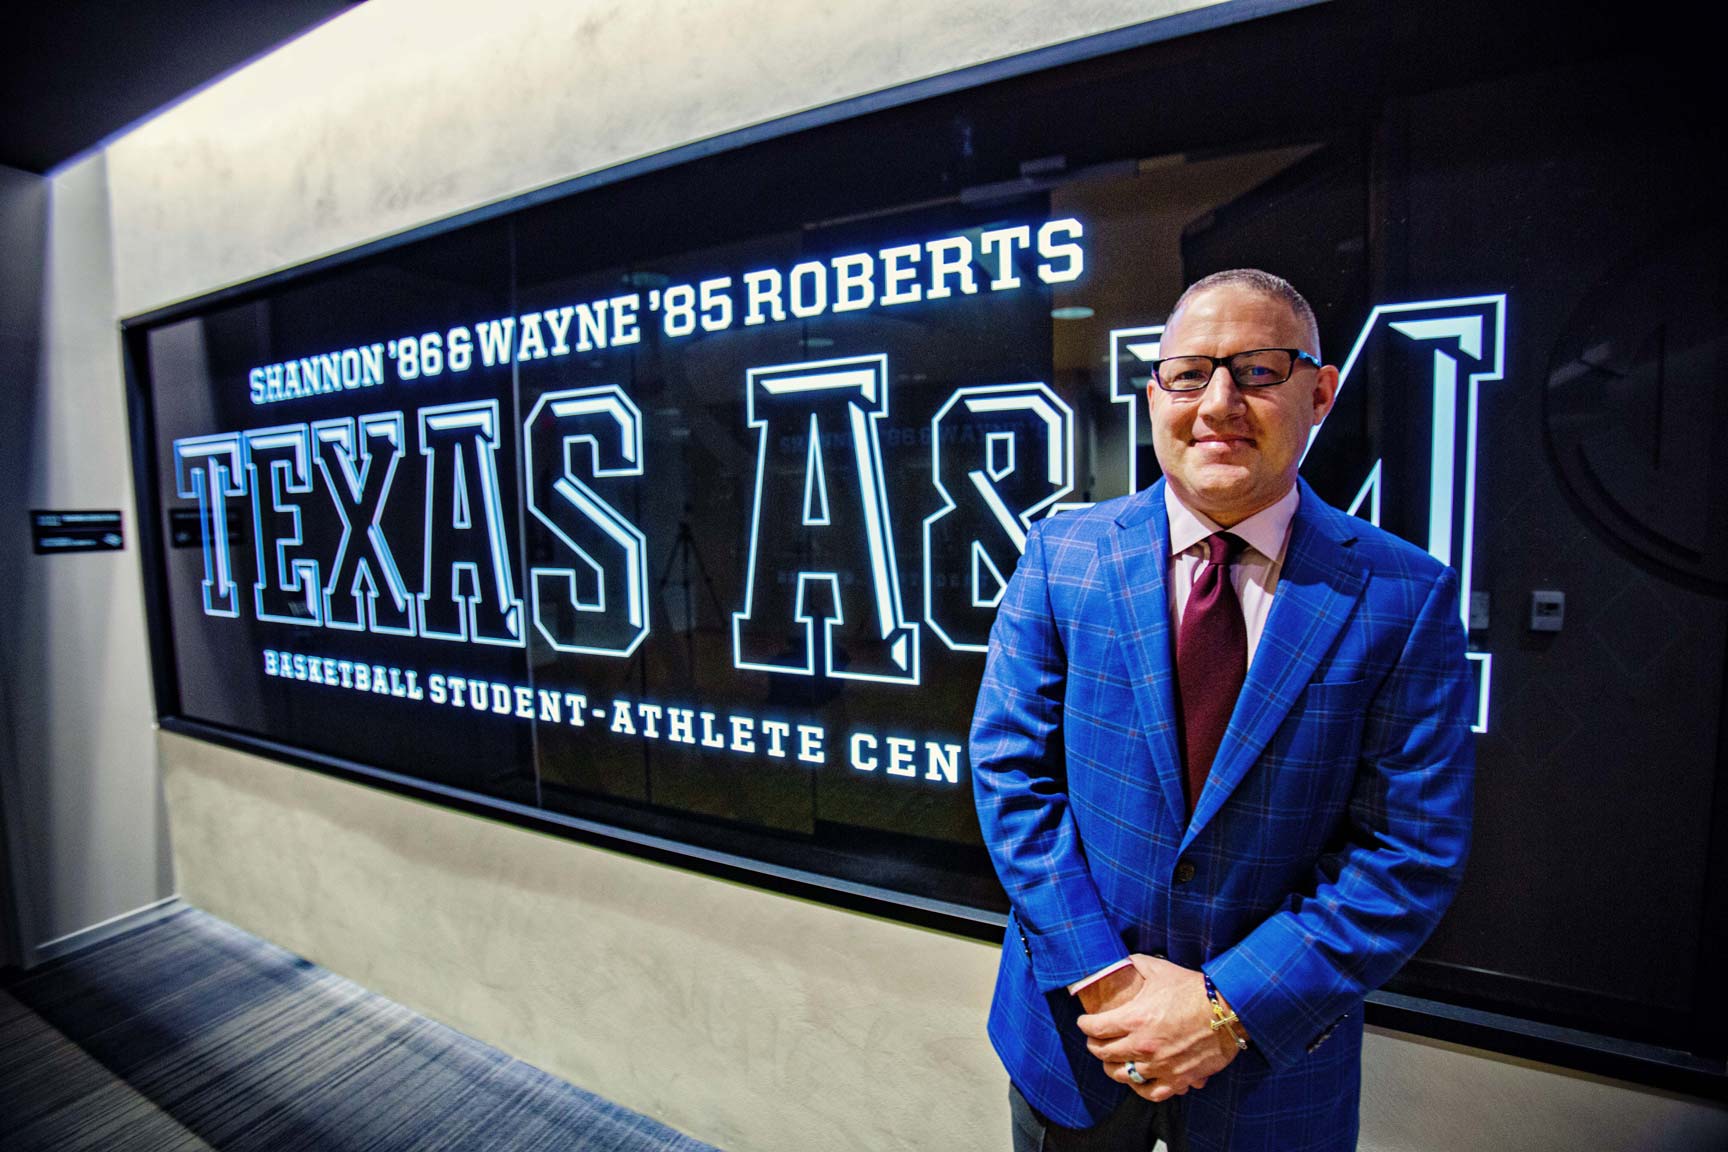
[1156, 1014]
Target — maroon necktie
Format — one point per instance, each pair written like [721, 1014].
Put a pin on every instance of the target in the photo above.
[1211, 660]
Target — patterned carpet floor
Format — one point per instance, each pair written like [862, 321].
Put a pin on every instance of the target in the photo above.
[191, 1034]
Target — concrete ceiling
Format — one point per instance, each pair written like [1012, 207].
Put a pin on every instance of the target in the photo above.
[76, 72]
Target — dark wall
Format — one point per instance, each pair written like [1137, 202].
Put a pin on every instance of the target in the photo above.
[23, 249]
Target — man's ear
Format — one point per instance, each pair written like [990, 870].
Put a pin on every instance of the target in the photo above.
[1325, 391]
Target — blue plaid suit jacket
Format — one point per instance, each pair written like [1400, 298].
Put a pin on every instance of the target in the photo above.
[1327, 842]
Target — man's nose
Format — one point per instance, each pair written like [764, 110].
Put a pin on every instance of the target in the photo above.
[1221, 395]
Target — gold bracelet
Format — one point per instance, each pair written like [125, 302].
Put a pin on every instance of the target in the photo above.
[1221, 1019]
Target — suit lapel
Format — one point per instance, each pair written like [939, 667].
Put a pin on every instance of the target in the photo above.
[1137, 556]
[1317, 587]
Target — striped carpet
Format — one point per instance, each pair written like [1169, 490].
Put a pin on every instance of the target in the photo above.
[189, 1034]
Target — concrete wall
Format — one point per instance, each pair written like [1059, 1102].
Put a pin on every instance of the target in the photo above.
[751, 1020]
[83, 807]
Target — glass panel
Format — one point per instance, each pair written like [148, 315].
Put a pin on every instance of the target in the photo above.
[360, 486]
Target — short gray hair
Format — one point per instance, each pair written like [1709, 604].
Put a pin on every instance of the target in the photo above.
[1267, 285]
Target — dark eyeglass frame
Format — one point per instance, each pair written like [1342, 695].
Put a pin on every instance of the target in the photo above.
[1297, 358]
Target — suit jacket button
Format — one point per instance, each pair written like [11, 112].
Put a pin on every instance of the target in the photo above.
[1184, 872]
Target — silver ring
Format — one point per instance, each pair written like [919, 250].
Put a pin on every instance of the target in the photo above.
[1133, 1073]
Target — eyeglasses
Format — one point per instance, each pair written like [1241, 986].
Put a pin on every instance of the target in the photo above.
[1255, 368]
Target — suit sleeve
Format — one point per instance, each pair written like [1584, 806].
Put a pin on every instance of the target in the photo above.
[1393, 869]
[1019, 778]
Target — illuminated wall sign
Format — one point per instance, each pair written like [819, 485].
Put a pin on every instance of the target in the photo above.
[999, 456]
[724, 536]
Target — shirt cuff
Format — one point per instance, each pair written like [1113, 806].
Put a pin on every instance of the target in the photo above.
[1099, 975]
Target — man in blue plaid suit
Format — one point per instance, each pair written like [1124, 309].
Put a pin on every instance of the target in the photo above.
[1196, 920]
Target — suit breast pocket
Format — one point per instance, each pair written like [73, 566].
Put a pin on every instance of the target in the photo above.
[1327, 699]
[1325, 725]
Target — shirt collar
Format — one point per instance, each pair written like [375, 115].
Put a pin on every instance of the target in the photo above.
[1265, 531]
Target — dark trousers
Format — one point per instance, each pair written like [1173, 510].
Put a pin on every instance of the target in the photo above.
[1135, 1126]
